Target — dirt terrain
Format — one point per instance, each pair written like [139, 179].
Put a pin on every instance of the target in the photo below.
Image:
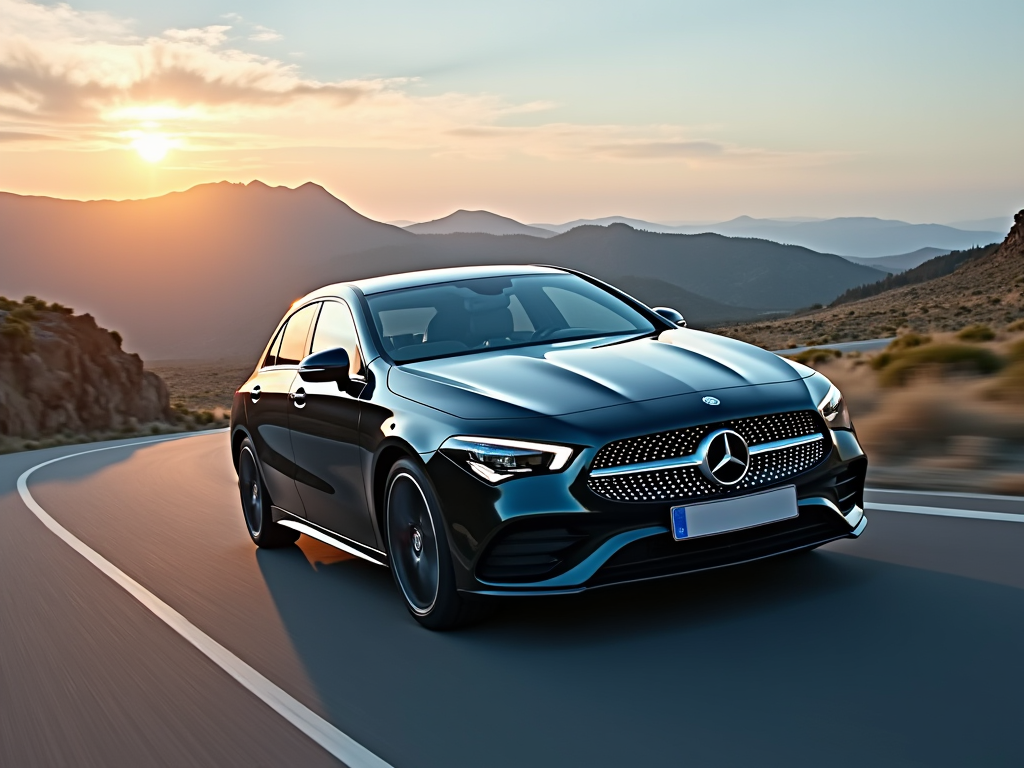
[202, 385]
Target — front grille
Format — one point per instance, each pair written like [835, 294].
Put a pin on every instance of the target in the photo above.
[688, 482]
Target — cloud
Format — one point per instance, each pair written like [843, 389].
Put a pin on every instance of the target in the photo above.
[10, 137]
[661, 150]
[263, 34]
[88, 78]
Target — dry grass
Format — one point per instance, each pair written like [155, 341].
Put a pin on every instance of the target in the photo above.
[943, 428]
[199, 385]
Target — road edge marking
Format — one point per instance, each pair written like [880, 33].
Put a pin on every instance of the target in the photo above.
[972, 514]
[334, 741]
[947, 494]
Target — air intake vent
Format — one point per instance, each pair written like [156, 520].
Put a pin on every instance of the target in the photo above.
[527, 555]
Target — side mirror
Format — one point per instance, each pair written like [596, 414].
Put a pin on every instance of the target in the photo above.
[671, 315]
[329, 365]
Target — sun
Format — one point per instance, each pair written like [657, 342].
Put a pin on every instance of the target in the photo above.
[152, 147]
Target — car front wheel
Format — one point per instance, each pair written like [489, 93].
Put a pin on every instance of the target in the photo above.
[418, 551]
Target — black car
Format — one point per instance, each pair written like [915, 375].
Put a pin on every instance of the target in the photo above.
[525, 430]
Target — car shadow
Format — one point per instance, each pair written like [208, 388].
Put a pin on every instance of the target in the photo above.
[811, 659]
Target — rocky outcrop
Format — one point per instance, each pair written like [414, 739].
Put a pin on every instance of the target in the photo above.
[62, 373]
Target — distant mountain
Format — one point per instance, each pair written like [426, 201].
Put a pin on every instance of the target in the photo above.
[699, 311]
[196, 274]
[860, 237]
[984, 287]
[995, 224]
[483, 222]
[901, 262]
[208, 272]
[742, 273]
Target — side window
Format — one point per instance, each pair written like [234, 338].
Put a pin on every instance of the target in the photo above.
[335, 328]
[293, 339]
[271, 358]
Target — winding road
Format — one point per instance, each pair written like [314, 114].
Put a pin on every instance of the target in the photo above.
[176, 643]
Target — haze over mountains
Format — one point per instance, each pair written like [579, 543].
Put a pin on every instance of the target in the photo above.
[857, 237]
[208, 272]
[477, 221]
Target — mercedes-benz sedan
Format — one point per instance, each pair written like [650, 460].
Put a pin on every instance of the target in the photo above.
[530, 430]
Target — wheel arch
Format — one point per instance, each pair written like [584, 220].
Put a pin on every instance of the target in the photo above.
[237, 437]
[387, 456]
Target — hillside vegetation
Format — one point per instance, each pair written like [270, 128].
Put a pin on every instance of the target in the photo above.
[929, 270]
[984, 291]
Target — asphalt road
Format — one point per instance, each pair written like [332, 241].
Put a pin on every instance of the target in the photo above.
[900, 648]
[869, 345]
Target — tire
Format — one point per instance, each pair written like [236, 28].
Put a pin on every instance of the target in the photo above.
[264, 532]
[421, 561]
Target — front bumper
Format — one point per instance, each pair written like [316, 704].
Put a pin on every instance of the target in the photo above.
[545, 535]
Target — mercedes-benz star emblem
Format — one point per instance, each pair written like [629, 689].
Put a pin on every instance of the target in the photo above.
[726, 457]
[711, 400]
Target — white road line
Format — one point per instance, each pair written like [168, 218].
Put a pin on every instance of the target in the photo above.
[306, 720]
[950, 494]
[945, 512]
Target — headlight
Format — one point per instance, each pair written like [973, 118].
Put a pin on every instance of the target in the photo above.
[496, 459]
[833, 409]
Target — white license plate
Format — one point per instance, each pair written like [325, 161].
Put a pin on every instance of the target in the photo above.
[709, 517]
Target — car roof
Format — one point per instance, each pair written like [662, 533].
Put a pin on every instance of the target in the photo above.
[373, 285]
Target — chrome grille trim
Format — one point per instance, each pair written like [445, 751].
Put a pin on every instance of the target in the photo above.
[694, 459]
[778, 445]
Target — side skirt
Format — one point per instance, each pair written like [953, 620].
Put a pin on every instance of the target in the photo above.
[288, 520]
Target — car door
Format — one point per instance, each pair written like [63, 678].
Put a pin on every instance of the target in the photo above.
[270, 408]
[325, 435]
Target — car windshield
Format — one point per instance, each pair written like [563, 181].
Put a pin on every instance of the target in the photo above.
[493, 312]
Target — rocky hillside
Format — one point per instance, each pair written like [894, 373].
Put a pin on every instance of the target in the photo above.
[988, 291]
[61, 373]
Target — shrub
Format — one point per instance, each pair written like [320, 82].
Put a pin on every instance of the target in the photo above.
[1016, 325]
[815, 356]
[60, 309]
[25, 313]
[1017, 352]
[117, 338]
[18, 332]
[976, 333]
[909, 340]
[898, 367]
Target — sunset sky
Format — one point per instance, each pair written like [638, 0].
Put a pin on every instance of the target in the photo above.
[545, 111]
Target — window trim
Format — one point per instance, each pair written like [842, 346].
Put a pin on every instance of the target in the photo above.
[361, 377]
[279, 337]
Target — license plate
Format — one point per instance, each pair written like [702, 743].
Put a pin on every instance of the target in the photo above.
[709, 517]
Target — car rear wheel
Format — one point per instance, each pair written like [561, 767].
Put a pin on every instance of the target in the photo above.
[418, 551]
[264, 532]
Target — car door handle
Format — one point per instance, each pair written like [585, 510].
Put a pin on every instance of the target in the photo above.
[255, 393]
[298, 398]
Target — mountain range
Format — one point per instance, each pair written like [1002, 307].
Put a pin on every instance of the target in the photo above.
[852, 237]
[208, 272]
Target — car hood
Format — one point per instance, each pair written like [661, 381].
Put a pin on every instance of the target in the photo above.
[559, 379]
